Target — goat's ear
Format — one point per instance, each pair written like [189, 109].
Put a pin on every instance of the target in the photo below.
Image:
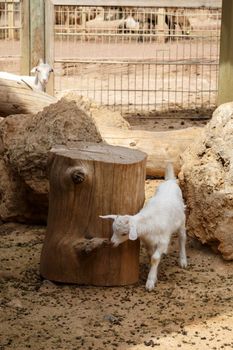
[132, 230]
[33, 70]
[113, 217]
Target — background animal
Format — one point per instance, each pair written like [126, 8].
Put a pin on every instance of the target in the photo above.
[42, 73]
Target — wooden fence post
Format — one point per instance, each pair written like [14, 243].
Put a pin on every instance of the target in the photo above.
[37, 35]
[160, 25]
[49, 42]
[25, 38]
[11, 19]
[225, 85]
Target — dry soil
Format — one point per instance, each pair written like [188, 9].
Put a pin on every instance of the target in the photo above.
[189, 309]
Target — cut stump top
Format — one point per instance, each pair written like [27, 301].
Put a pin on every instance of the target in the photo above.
[100, 152]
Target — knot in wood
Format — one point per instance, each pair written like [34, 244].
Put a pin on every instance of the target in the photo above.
[78, 176]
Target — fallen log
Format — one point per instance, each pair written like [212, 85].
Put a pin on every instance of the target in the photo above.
[19, 98]
[160, 146]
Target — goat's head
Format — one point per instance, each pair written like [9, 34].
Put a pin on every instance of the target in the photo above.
[42, 72]
[124, 228]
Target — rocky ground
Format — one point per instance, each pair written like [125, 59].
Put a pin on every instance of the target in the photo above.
[189, 309]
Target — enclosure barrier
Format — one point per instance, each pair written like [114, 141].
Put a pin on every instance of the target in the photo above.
[124, 54]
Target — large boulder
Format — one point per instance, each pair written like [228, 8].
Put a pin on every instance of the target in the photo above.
[24, 144]
[207, 182]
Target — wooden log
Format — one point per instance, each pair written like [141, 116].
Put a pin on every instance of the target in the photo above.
[17, 97]
[93, 180]
[160, 146]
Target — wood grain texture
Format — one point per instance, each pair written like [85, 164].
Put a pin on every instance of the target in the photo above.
[161, 146]
[93, 180]
[19, 98]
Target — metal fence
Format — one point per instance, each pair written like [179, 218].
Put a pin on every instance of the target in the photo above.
[132, 58]
[10, 25]
[138, 58]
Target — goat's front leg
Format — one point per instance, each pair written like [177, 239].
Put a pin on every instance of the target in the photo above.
[155, 260]
[182, 250]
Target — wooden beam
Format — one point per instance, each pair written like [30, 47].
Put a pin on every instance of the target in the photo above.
[17, 97]
[225, 88]
[37, 35]
[25, 38]
[143, 3]
[49, 42]
[11, 20]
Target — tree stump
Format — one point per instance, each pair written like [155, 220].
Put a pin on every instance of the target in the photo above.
[85, 182]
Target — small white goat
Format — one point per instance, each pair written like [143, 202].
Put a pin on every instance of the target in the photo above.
[163, 215]
[38, 82]
[131, 24]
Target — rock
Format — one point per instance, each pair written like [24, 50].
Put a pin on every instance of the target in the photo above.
[25, 141]
[100, 114]
[15, 303]
[6, 276]
[47, 286]
[206, 179]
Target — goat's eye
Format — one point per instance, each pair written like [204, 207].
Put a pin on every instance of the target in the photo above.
[124, 234]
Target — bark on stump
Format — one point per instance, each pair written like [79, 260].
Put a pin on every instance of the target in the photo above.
[92, 180]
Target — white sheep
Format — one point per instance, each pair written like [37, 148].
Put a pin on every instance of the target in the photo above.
[38, 82]
[163, 215]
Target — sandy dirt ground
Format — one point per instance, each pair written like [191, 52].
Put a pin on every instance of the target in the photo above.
[189, 309]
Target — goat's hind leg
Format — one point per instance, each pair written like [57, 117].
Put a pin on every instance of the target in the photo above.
[155, 260]
[182, 249]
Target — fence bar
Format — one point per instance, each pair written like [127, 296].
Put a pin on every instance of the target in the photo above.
[142, 3]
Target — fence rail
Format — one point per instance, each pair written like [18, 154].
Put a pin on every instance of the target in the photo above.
[142, 3]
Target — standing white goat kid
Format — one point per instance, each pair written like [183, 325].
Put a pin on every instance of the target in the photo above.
[163, 215]
[38, 82]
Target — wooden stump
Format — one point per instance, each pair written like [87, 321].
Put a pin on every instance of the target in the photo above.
[92, 180]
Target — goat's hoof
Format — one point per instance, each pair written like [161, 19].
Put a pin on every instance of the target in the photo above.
[150, 285]
[183, 263]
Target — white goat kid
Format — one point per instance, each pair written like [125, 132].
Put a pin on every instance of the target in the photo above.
[163, 215]
[42, 73]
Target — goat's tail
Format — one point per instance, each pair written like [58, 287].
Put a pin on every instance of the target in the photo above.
[169, 171]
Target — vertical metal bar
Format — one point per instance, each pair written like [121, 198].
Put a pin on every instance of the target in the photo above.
[135, 86]
[121, 85]
[128, 75]
[148, 89]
